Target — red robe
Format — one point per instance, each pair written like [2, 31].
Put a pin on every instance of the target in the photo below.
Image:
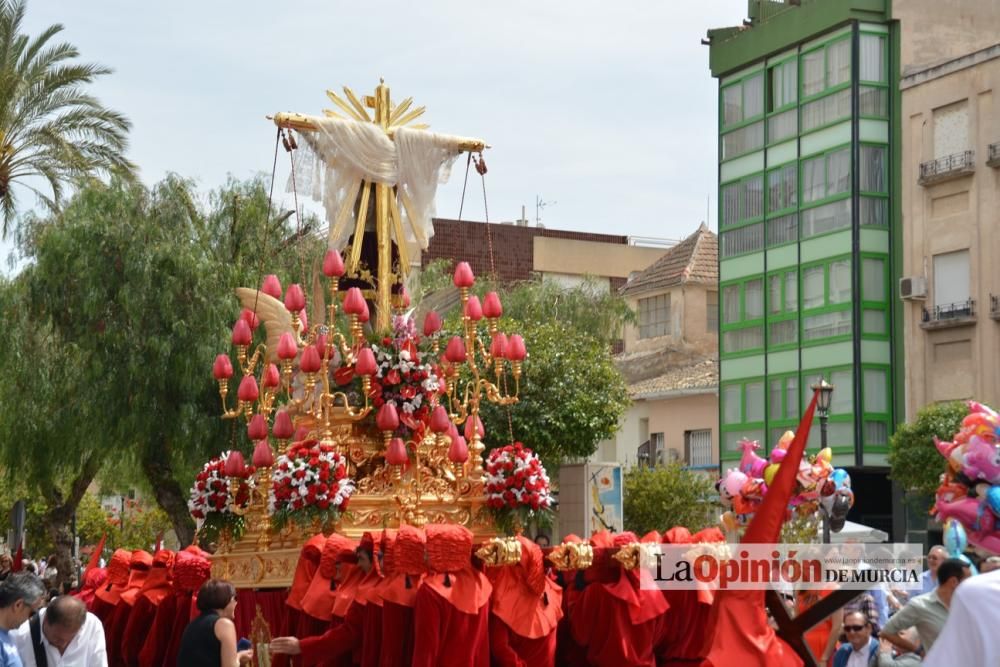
[510, 649]
[157, 639]
[343, 639]
[156, 588]
[397, 635]
[446, 637]
[618, 642]
[115, 631]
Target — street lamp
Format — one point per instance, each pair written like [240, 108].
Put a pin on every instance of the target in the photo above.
[825, 390]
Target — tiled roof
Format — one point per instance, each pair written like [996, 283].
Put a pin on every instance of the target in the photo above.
[703, 374]
[693, 260]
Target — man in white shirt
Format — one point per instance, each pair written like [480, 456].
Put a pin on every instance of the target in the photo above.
[970, 636]
[69, 635]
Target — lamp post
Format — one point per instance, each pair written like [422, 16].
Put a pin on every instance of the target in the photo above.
[825, 390]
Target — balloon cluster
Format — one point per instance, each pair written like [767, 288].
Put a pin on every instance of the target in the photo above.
[818, 484]
[970, 486]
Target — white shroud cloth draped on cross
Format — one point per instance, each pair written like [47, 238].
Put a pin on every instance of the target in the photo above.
[340, 154]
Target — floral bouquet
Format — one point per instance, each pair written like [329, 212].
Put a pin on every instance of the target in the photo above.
[517, 488]
[210, 502]
[310, 483]
[406, 377]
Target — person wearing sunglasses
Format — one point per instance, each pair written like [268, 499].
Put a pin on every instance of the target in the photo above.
[861, 648]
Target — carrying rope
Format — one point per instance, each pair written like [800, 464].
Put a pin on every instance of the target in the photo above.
[481, 169]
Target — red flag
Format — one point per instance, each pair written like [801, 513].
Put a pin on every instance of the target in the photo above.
[95, 558]
[18, 559]
[742, 635]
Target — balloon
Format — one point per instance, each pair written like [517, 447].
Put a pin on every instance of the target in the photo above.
[982, 460]
[955, 540]
[769, 472]
[778, 455]
[751, 463]
[734, 481]
[729, 522]
[825, 455]
[993, 499]
[841, 478]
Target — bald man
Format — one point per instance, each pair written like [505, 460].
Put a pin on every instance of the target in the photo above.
[66, 632]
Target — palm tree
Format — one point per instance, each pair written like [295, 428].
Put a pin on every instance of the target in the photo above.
[51, 130]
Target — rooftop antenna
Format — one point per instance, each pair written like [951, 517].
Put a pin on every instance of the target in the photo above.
[539, 205]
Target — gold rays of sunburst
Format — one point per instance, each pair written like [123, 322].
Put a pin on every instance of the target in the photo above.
[352, 108]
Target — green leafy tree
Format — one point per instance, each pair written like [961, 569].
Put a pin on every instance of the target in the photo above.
[914, 461]
[125, 303]
[51, 128]
[571, 396]
[588, 307]
[662, 497]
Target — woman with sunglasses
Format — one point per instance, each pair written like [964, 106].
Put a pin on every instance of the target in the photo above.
[210, 639]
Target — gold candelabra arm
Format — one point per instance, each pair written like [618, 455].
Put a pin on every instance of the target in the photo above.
[249, 366]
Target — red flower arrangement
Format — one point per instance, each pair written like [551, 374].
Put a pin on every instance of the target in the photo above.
[517, 487]
[210, 502]
[310, 481]
[407, 377]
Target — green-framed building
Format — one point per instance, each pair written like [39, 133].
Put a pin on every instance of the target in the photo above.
[808, 230]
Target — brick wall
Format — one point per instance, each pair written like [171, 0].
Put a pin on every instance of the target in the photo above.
[513, 246]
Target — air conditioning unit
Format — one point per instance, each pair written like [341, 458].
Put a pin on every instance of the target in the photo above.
[913, 287]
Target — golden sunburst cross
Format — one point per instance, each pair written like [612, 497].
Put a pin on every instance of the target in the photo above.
[389, 197]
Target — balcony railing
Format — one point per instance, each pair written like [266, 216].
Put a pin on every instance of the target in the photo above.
[947, 168]
[946, 315]
[993, 157]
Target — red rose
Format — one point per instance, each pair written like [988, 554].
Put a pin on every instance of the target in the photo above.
[392, 377]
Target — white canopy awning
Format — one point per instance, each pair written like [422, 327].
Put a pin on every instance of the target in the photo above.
[858, 532]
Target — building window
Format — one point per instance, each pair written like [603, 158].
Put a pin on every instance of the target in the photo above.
[826, 325]
[876, 391]
[951, 278]
[826, 67]
[656, 448]
[753, 294]
[812, 287]
[743, 101]
[826, 110]
[782, 125]
[784, 85]
[755, 401]
[872, 279]
[874, 211]
[826, 218]
[873, 101]
[782, 188]
[732, 408]
[712, 312]
[782, 230]
[654, 316]
[826, 175]
[873, 169]
[951, 129]
[698, 447]
[872, 66]
[813, 73]
[743, 140]
[731, 304]
[742, 201]
[742, 240]
[743, 340]
[840, 281]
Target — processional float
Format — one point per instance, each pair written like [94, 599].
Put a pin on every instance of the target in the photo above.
[363, 411]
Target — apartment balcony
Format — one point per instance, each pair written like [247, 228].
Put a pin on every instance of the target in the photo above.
[993, 158]
[949, 315]
[947, 168]
[994, 307]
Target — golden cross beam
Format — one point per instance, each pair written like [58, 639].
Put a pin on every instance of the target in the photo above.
[388, 222]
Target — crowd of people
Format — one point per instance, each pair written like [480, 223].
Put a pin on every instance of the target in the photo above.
[425, 597]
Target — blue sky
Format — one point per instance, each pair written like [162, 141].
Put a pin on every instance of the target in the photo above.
[607, 109]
